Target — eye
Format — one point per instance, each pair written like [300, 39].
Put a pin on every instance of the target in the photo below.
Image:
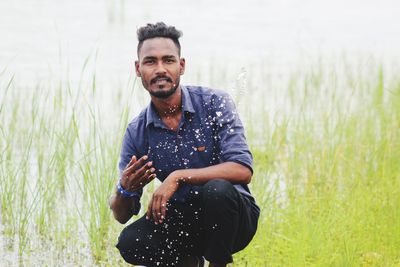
[149, 61]
[169, 60]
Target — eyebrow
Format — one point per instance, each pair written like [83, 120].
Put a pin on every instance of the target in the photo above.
[168, 57]
[164, 57]
[149, 57]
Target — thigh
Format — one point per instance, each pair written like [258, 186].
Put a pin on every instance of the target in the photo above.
[183, 227]
[230, 220]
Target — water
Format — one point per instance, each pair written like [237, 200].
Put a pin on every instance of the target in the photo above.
[42, 38]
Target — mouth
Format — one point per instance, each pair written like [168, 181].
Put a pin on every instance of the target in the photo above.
[160, 80]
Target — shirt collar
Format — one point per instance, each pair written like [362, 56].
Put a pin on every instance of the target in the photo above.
[187, 106]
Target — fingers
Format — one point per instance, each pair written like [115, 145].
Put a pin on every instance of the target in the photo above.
[163, 210]
[144, 170]
[150, 178]
[142, 178]
[136, 165]
[157, 210]
[149, 209]
[133, 160]
[140, 162]
[153, 210]
[149, 213]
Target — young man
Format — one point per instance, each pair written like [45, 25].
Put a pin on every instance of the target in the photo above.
[192, 140]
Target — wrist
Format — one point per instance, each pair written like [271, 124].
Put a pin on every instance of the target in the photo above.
[123, 191]
[179, 177]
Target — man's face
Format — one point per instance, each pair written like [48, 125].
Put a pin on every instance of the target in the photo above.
[160, 66]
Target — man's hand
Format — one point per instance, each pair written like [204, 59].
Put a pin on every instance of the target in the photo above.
[157, 208]
[137, 174]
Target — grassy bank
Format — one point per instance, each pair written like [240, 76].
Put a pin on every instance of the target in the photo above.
[326, 167]
[329, 180]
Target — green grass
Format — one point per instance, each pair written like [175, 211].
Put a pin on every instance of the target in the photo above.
[340, 203]
[326, 166]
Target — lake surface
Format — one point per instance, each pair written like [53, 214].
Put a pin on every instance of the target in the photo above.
[42, 38]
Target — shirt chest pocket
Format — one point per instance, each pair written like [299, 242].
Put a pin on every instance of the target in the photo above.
[199, 150]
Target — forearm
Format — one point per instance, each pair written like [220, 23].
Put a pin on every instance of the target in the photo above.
[230, 171]
[134, 177]
[122, 207]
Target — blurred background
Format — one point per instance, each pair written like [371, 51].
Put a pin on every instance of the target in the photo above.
[40, 36]
[316, 84]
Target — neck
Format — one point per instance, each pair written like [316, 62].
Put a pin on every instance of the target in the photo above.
[170, 106]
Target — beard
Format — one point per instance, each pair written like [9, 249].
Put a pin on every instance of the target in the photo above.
[163, 94]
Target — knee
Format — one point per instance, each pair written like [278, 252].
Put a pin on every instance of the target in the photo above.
[128, 244]
[125, 239]
[218, 190]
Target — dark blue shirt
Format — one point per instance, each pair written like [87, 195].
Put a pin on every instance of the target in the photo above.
[210, 132]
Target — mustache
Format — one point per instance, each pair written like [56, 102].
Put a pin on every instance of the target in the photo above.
[154, 80]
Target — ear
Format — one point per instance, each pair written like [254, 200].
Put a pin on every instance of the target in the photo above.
[182, 64]
[137, 68]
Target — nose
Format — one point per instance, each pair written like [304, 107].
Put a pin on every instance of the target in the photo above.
[160, 68]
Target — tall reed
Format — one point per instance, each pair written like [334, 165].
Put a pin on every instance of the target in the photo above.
[325, 142]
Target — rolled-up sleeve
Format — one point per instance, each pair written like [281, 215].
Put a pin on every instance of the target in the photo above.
[231, 136]
[127, 151]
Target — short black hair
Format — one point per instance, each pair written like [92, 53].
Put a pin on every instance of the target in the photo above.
[160, 29]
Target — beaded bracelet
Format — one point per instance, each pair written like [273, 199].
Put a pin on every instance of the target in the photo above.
[123, 191]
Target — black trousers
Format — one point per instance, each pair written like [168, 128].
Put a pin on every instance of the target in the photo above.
[215, 224]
